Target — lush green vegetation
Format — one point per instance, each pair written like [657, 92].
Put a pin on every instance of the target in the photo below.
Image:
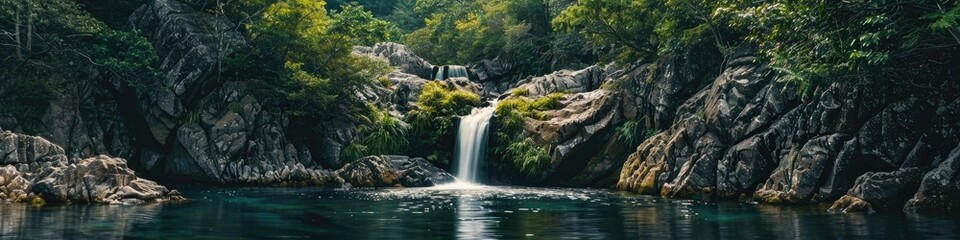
[48, 41]
[459, 32]
[297, 53]
[632, 133]
[515, 148]
[381, 134]
[433, 132]
[806, 41]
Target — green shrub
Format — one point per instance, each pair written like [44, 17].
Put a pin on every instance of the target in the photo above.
[529, 158]
[379, 134]
[632, 133]
[510, 112]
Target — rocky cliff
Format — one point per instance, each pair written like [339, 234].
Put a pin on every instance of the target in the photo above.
[864, 143]
[584, 134]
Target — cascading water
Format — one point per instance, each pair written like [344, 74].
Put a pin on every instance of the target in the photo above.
[472, 143]
[448, 72]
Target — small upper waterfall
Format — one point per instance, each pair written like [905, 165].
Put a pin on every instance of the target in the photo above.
[447, 72]
[472, 143]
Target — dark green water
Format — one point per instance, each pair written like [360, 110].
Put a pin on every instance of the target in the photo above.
[486, 213]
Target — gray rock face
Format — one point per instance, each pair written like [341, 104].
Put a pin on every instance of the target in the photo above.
[36, 167]
[399, 56]
[581, 135]
[191, 46]
[393, 171]
[407, 87]
[583, 80]
[865, 146]
[496, 76]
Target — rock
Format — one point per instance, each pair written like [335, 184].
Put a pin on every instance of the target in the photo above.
[392, 171]
[886, 190]
[798, 177]
[939, 189]
[22, 149]
[859, 145]
[850, 204]
[41, 168]
[12, 184]
[100, 179]
[191, 45]
[407, 88]
[490, 70]
[496, 76]
[566, 81]
[399, 56]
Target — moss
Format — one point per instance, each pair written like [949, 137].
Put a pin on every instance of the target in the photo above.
[651, 73]
[37, 202]
[520, 92]
[510, 112]
[702, 114]
[384, 81]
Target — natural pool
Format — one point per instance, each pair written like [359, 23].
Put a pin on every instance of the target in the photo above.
[451, 213]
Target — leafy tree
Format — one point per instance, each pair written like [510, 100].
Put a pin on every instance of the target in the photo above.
[362, 27]
[379, 8]
[405, 16]
[518, 32]
[807, 41]
[643, 29]
[49, 40]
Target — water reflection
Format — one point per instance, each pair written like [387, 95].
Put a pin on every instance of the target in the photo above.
[453, 213]
[21, 221]
[472, 220]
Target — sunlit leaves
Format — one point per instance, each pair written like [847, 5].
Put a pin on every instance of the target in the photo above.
[361, 27]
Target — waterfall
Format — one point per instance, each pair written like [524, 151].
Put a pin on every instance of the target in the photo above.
[448, 72]
[472, 143]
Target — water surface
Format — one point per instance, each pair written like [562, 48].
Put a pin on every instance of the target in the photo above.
[445, 213]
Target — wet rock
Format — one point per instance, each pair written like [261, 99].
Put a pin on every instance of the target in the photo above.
[798, 177]
[939, 189]
[886, 190]
[743, 134]
[12, 184]
[850, 204]
[393, 171]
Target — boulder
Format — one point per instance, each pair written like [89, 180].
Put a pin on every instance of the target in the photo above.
[100, 179]
[35, 167]
[881, 191]
[393, 171]
[565, 81]
[398, 56]
[939, 189]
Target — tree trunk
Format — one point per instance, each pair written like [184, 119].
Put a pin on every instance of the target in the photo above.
[29, 29]
[16, 33]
